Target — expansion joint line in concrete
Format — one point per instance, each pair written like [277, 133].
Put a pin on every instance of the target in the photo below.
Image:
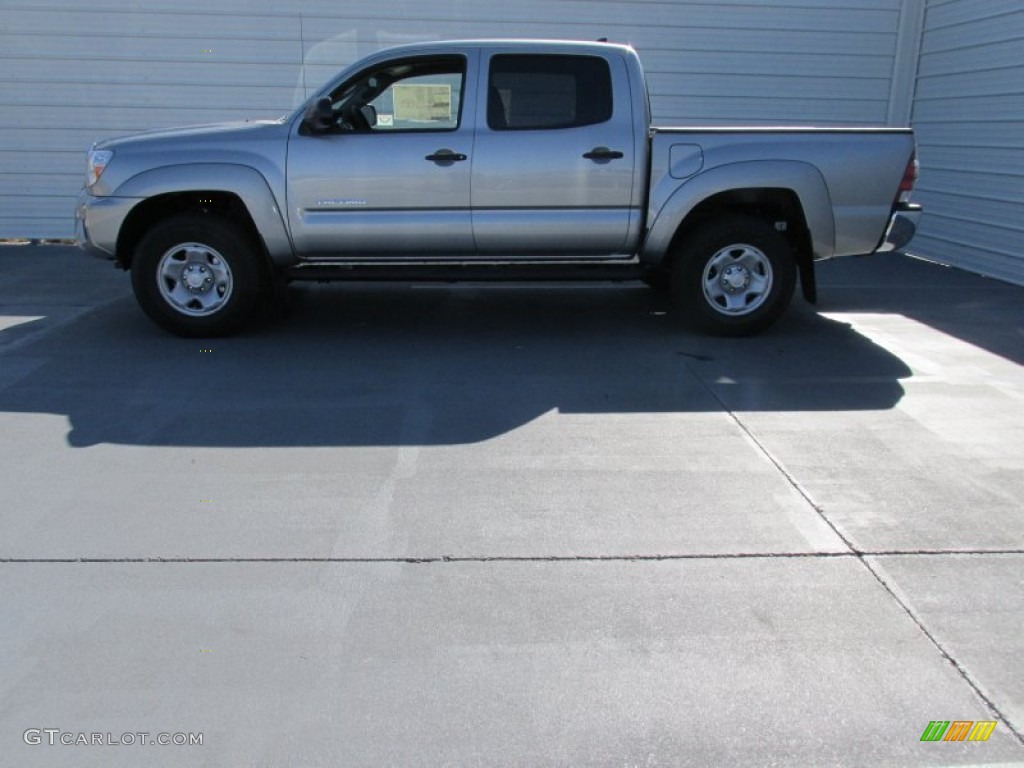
[436, 559]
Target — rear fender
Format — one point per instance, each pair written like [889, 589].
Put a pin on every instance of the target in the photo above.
[803, 179]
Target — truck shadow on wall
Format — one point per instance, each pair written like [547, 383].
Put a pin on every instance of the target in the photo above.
[365, 365]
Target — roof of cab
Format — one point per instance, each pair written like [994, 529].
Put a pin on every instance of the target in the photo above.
[517, 44]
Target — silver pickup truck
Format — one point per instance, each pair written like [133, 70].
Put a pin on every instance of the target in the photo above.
[496, 159]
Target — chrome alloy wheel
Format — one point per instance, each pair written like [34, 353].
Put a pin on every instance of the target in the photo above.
[737, 280]
[194, 279]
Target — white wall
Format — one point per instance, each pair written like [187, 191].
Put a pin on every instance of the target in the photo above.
[76, 72]
[969, 118]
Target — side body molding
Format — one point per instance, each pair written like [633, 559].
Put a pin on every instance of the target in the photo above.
[245, 182]
[671, 201]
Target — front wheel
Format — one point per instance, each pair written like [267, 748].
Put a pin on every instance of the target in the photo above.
[733, 276]
[195, 275]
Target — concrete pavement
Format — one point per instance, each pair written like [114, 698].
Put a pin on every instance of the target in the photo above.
[496, 525]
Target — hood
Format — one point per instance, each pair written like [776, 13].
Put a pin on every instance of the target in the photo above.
[190, 133]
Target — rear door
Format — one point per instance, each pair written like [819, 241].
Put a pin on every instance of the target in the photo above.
[553, 167]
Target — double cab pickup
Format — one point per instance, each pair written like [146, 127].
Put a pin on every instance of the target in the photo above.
[490, 160]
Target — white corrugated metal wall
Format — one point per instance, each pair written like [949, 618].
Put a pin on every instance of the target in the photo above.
[969, 118]
[74, 72]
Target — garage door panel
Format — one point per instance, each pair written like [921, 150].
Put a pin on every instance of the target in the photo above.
[970, 107]
[990, 82]
[969, 118]
[103, 46]
[991, 186]
[976, 33]
[969, 134]
[967, 11]
[997, 55]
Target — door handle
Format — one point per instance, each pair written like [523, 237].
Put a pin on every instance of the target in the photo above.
[602, 153]
[446, 156]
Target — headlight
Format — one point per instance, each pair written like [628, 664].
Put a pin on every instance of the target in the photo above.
[98, 161]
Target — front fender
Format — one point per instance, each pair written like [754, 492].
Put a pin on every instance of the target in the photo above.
[801, 178]
[245, 182]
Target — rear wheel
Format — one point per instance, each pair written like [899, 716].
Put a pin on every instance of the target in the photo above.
[733, 276]
[195, 275]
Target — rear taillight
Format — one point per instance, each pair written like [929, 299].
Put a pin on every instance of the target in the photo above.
[909, 178]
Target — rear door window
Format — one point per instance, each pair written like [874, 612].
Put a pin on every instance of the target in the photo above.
[528, 92]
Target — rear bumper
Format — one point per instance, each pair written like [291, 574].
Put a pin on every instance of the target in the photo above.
[902, 226]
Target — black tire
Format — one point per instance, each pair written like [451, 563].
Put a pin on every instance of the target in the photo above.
[733, 276]
[221, 259]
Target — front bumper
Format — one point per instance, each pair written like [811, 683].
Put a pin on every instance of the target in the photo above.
[98, 221]
[901, 229]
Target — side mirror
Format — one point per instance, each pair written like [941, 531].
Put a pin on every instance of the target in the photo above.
[369, 113]
[319, 116]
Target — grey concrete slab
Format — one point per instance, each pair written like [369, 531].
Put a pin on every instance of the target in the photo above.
[949, 450]
[974, 606]
[711, 662]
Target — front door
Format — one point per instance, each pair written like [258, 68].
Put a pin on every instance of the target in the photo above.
[390, 175]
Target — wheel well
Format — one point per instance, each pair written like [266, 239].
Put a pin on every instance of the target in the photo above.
[779, 207]
[147, 213]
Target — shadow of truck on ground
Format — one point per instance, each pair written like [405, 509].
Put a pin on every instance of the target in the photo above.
[365, 365]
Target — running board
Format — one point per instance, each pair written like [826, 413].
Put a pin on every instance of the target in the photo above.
[475, 272]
